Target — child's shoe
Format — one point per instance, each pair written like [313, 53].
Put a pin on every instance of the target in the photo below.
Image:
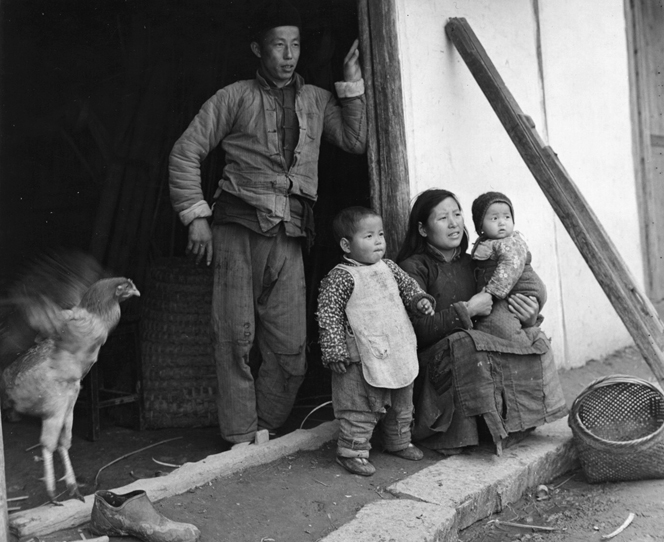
[357, 465]
[412, 453]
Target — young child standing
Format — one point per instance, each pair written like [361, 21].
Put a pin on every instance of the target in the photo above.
[368, 342]
[502, 265]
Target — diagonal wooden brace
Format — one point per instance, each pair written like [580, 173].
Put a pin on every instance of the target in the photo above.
[634, 308]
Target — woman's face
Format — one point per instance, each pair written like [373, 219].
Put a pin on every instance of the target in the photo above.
[444, 227]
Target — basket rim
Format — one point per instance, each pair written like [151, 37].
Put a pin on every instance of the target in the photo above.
[601, 382]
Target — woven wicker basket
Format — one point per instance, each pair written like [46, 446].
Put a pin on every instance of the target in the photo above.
[179, 375]
[618, 427]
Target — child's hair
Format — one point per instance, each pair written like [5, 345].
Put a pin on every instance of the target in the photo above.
[345, 223]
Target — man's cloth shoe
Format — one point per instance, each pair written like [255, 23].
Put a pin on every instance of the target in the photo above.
[357, 465]
[132, 514]
[262, 436]
[412, 453]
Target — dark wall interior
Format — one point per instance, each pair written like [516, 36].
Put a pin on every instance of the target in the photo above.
[93, 95]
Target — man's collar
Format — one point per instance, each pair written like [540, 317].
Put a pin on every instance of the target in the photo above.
[267, 83]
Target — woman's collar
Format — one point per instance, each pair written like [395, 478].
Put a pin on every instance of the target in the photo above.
[440, 255]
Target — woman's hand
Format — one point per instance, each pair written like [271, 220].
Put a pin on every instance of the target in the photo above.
[480, 304]
[425, 307]
[526, 308]
[338, 367]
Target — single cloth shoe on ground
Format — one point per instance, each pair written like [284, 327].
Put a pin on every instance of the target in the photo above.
[132, 514]
[412, 453]
[357, 465]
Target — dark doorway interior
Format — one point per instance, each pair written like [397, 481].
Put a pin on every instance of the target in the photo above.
[93, 96]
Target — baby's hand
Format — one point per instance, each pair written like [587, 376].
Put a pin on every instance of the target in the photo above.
[425, 307]
[482, 251]
[338, 367]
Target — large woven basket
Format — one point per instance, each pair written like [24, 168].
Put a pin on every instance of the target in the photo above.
[179, 375]
[618, 428]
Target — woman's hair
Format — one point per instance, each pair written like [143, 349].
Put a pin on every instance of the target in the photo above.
[345, 223]
[424, 204]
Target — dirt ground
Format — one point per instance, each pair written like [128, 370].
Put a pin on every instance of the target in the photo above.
[575, 511]
[306, 496]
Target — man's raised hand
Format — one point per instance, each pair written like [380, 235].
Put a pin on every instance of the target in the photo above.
[352, 69]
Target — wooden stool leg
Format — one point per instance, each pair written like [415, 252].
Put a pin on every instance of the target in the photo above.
[138, 367]
[93, 403]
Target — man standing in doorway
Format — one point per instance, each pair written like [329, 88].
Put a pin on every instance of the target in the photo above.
[270, 128]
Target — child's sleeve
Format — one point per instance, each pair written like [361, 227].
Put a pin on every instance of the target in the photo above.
[335, 291]
[409, 289]
[511, 254]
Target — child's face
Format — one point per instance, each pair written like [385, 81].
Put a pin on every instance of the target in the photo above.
[498, 222]
[367, 245]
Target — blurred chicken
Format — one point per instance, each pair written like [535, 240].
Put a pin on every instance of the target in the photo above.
[46, 379]
[54, 279]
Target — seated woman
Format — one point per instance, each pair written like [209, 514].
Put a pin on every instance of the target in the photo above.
[465, 374]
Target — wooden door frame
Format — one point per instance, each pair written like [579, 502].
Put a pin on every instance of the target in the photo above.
[641, 143]
[4, 518]
[386, 151]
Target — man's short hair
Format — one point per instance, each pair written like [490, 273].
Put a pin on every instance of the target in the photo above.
[345, 223]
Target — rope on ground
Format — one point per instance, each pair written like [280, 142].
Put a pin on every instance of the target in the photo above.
[523, 525]
[620, 529]
[130, 454]
[314, 410]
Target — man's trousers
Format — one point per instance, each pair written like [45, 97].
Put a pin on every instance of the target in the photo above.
[259, 300]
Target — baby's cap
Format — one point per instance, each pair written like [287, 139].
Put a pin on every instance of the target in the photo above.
[483, 202]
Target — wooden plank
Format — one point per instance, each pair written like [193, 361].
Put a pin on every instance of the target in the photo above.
[638, 134]
[656, 140]
[634, 308]
[372, 136]
[387, 148]
[4, 520]
[646, 50]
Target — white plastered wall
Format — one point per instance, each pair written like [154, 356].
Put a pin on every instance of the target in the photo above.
[580, 105]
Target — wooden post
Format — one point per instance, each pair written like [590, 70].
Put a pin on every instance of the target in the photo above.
[634, 308]
[372, 136]
[4, 521]
[388, 164]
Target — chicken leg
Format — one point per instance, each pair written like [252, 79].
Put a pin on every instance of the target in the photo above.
[56, 434]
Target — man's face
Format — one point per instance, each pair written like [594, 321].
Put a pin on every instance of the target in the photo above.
[279, 53]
